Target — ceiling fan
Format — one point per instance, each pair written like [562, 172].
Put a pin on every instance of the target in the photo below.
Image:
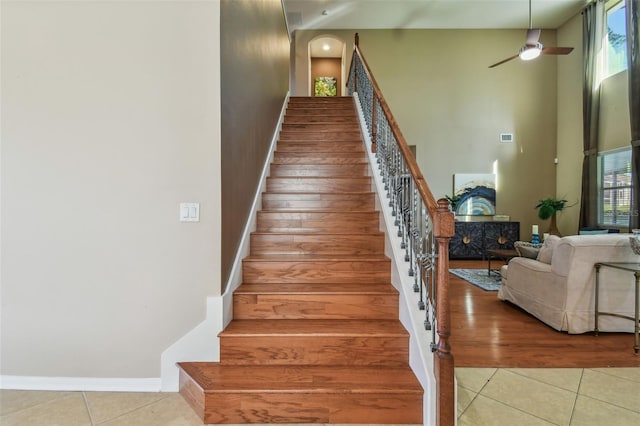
[533, 48]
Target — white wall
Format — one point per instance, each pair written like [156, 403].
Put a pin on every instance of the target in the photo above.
[110, 119]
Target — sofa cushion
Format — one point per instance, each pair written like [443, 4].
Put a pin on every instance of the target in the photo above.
[527, 249]
[546, 252]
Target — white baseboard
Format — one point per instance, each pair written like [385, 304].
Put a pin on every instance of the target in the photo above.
[90, 384]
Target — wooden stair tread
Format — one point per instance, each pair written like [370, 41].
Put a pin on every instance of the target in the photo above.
[316, 258]
[307, 161]
[319, 139]
[311, 230]
[314, 328]
[314, 288]
[290, 213]
[324, 235]
[306, 192]
[319, 195]
[213, 378]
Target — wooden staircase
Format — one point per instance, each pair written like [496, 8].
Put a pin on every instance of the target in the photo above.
[315, 336]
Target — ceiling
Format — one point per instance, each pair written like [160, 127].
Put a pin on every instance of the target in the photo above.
[416, 14]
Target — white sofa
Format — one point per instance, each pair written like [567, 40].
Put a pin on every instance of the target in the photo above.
[561, 293]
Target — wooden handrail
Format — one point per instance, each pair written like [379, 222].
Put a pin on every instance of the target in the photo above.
[443, 230]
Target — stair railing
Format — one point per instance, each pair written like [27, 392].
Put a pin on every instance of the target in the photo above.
[425, 225]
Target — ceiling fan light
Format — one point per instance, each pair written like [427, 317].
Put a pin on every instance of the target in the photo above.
[529, 52]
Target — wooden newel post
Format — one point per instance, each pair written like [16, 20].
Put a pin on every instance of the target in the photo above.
[444, 229]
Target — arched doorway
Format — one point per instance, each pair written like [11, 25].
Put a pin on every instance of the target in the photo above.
[326, 66]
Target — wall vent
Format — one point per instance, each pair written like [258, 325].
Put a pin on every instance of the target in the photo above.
[294, 18]
[506, 137]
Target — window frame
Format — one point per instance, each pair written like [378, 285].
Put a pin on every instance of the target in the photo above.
[612, 6]
[602, 190]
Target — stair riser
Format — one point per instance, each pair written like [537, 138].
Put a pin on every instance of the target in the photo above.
[283, 407]
[315, 306]
[362, 272]
[192, 393]
[326, 158]
[312, 223]
[317, 227]
[315, 170]
[320, 137]
[382, 351]
[321, 127]
[321, 147]
[313, 118]
[322, 99]
[324, 185]
[318, 202]
[321, 111]
[340, 245]
[312, 219]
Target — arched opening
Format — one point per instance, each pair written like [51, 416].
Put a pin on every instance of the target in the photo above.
[326, 66]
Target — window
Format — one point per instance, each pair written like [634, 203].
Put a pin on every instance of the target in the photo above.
[616, 39]
[615, 185]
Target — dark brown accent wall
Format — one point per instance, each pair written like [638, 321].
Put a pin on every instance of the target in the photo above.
[326, 67]
[254, 63]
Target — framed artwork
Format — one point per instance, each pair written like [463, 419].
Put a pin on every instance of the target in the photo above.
[477, 193]
[325, 86]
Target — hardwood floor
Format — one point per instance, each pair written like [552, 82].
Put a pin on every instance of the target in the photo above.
[488, 332]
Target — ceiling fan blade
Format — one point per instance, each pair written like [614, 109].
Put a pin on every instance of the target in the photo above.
[533, 36]
[503, 61]
[556, 50]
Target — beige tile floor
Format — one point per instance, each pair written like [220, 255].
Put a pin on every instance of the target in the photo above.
[548, 396]
[486, 396]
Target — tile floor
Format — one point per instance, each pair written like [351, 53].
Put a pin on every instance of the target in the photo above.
[486, 396]
[548, 396]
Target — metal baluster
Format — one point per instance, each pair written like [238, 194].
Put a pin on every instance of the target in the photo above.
[417, 286]
[410, 227]
[418, 236]
[391, 170]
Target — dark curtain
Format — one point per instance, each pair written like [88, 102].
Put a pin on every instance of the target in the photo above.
[593, 25]
[633, 71]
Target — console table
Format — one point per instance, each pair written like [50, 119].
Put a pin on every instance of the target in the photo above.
[473, 239]
[631, 267]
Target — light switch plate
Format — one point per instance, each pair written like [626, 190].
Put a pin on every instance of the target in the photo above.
[189, 212]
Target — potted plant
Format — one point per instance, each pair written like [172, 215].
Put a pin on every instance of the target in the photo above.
[547, 209]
